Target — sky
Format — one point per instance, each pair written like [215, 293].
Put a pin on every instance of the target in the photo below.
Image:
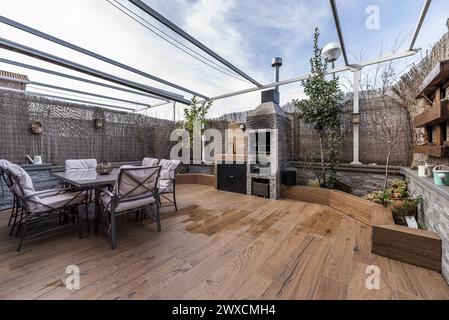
[247, 33]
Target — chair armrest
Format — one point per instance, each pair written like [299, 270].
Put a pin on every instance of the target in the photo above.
[109, 193]
[49, 192]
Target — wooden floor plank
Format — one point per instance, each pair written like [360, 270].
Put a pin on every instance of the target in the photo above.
[218, 245]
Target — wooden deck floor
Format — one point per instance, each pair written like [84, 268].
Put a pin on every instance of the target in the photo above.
[219, 245]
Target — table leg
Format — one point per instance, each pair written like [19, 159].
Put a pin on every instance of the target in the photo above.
[97, 209]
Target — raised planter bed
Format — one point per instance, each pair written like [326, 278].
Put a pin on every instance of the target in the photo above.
[417, 247]
[196, 178]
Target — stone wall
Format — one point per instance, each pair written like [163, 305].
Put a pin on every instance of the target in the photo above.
[363, 179]
[434, 213]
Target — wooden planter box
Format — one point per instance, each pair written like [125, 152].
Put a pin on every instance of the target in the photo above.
[418, 247]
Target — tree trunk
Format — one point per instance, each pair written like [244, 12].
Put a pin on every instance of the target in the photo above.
[323, 174]
[387, 166]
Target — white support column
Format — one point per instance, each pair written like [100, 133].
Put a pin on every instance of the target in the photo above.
[356, 126]
[174, 112]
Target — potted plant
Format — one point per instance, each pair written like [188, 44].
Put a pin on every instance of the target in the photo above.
[382, 197]
[405, 212]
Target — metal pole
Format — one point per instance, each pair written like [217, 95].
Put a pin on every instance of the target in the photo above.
[66, 44]
[16, 47]
[423, 15]
[339, 30]
[174, 112]
[334, 76]
[191, 39]
[66, 99]
[356, 126]
[40, 84]
[304, 77]
[276, 77]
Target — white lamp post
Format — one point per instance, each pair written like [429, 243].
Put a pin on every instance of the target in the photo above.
[331, 53]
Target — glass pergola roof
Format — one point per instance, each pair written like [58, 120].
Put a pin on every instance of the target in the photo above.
[244, 34]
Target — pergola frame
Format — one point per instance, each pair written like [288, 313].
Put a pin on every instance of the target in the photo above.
[171, 97]
[50, 86]
[68, 76]
[89, 53]
[93, 103]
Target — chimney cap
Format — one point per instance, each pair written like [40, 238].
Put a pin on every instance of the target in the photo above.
[276, 62]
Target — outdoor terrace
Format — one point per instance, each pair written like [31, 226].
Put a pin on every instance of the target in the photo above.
[304, 193]
[219, 245]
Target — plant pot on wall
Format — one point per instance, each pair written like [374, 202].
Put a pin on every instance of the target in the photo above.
[36, 127]
[98, 123]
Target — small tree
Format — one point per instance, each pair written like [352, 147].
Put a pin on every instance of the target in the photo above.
[391, 129]
[196, 112]
[323, 110]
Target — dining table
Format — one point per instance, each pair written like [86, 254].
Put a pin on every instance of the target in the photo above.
[89, 180]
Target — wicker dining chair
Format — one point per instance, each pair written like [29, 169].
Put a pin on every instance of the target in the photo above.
[136, 190]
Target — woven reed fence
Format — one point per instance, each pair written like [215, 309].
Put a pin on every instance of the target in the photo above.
[69, 132]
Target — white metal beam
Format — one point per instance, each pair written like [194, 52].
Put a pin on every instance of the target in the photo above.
[156, 15]
[66, 99]
[339, 30]
[68, 76]
[304, 77]
[37, 54]
[89, 53]
[422, 17]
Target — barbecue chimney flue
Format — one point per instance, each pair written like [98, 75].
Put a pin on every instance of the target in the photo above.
[276, 64]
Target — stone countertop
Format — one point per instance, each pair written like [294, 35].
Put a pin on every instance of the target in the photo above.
[426, 182]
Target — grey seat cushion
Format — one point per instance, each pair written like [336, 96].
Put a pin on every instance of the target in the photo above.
[129, 185]
[81, 164]
[150, 162]
[81, 174]
[38, 201]
[60, 200]
[168, 168]
[22, 179]
[130, 203]
[4, 164]
[165, 186]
